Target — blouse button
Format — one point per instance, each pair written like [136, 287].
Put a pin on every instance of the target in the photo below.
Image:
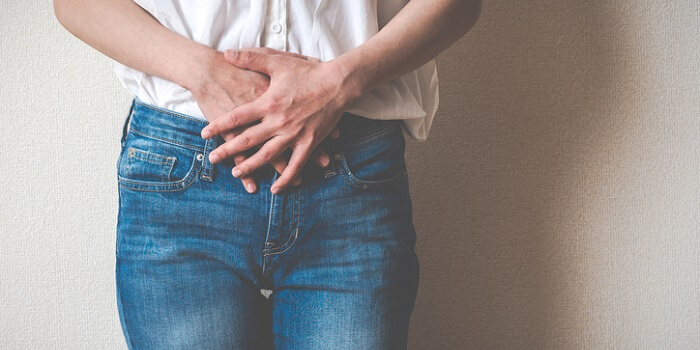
[276, 28]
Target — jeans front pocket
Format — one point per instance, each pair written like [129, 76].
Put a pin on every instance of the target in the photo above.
[376, 161]
[149, 164]
[144, 165]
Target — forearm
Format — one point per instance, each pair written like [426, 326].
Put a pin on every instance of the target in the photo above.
[417, 34]
[125, 32]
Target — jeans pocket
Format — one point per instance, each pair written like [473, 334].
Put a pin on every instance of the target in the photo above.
[149, 164]
[376, 161]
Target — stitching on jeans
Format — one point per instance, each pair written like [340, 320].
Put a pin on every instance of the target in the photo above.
[269, 225]
[146, 186]
[366, 185]
[296, 233]
[141, 155]
[169, 112]
[295, 221]
[173, 142]
[157, 190]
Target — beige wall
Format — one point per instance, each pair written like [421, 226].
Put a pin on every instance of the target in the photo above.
[557, 198]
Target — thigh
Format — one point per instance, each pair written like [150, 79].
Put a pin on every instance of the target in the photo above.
[182, 278]
[351, 302]
[188, 302]
[350, 279]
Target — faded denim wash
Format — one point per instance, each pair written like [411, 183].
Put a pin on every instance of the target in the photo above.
[194, 249]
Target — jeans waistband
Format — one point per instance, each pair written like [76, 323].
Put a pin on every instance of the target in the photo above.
[184, 130]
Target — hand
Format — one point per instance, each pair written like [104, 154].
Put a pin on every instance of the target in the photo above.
[225, 87]
[303, 103]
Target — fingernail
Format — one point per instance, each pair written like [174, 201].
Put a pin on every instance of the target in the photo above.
[231, 53]
[274, 189]
[213, 157]
[324, 160]
[206, 133]
[250, 187]
[297, 181]
[237, 172]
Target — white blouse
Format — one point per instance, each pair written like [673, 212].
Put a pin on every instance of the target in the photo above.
[318, 28]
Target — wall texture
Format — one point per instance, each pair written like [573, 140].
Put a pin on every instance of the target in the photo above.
[557, 198]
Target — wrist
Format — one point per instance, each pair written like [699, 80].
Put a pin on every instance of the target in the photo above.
[199, 68]
[351, 79]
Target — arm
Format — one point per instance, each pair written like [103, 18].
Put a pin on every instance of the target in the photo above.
[123, 31]
[416, 35]
[305, 100]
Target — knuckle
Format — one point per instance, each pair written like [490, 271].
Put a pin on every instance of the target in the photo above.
[280, 121]
[266, 155]
[285, 119]
[224, 152]
[304, 143]
[250, 57]
[264, 107]
[234, 120]
[270, 105]
[246, 141]
[312, 139]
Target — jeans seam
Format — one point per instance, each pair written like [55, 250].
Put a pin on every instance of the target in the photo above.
[172, 142]
[120, 301]
[169, 112]
[293, 239]
[295, 222]
[269, 227]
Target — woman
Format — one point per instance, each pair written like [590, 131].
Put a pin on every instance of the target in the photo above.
[338, 82]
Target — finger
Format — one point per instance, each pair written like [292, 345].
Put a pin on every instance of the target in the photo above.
[335, 133]
[299, 156]
[271, 51]
[247, 139]
[248, 181]
[252, 59]
[303, 57]
[280, 163]
[320, 157]
[269, 151]
[239, 116]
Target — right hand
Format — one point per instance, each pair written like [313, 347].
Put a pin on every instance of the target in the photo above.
[221, 87]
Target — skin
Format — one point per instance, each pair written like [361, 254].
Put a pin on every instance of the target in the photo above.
[125, 32]
[304, 99]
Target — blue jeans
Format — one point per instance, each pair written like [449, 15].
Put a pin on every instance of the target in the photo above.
[194, 249]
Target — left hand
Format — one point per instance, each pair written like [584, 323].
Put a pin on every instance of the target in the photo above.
[219, 87]
[303, 103]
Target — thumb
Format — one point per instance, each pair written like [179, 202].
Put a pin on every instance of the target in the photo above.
[247, 59]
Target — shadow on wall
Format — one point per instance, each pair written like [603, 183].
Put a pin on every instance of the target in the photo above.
[527, 100]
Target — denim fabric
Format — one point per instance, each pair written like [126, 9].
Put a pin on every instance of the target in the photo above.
[194, 249]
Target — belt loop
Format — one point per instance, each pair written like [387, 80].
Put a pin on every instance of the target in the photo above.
[207, 167]
[126, 122]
